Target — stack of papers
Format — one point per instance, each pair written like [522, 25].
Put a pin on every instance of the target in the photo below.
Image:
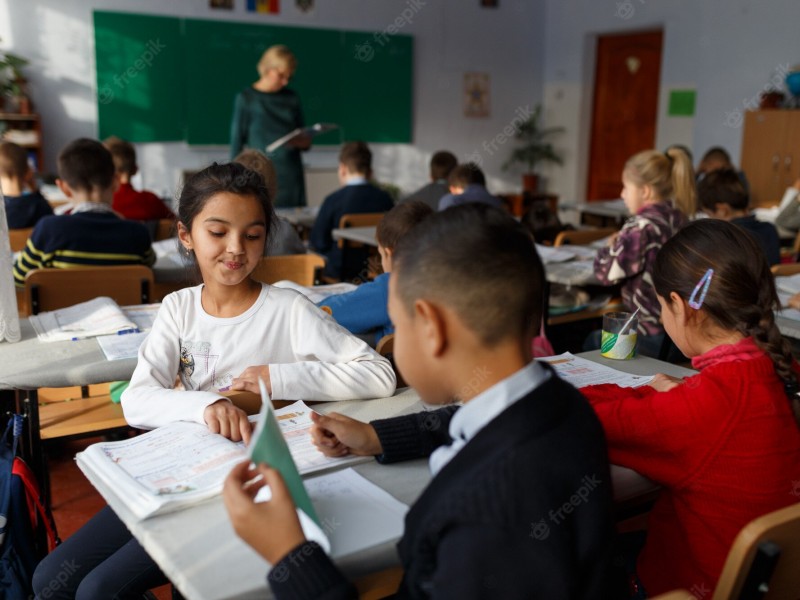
[789, 284]
[317, 293]
[101, 316]
[581, 372]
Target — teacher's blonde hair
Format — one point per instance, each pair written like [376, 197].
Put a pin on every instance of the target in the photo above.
[276, 57]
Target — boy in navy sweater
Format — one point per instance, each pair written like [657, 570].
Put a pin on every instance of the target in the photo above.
[365, 309]
[23, 209]
[92, 234]
[357, 196]
[722, 196]
[520, 501]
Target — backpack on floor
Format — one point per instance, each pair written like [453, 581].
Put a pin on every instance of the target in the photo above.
[27, 529]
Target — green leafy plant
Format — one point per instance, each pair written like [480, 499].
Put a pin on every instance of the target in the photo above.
[11, 77]
[534, 145]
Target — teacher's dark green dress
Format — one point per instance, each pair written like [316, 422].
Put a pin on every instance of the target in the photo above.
[260, 118]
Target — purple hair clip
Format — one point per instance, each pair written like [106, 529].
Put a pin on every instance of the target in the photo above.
[704, 282]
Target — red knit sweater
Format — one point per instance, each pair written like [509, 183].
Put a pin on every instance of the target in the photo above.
[139, 206]
[724, 445]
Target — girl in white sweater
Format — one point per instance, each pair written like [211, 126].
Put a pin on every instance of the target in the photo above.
[223, 334]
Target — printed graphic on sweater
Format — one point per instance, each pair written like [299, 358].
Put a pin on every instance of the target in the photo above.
[199, 367]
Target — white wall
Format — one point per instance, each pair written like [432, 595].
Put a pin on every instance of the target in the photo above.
[451, 37]
[728, 50]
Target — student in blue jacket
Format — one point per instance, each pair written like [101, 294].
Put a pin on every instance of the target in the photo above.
[364, 309]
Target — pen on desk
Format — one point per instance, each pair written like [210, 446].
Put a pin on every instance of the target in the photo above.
[124, 331]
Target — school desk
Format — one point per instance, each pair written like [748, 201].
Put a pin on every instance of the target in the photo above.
[605, 212]
[199, 552]
[362, 235]
[30, 364]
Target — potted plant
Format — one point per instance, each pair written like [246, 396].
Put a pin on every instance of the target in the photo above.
[534, 149]
[12, 83]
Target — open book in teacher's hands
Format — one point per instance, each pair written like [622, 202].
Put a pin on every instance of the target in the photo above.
[311, 131]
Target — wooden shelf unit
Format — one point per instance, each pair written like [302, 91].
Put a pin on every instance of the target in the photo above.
[771, 153]
[27, 122]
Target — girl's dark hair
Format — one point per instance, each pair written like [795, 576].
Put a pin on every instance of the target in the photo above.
[214, 179]
[233, 178]
[741, 295]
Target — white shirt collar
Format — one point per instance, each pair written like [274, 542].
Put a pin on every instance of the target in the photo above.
[485, 407]
[356, 180]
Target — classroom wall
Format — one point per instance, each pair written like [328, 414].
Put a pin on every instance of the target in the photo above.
[728, 50]
[451, 37]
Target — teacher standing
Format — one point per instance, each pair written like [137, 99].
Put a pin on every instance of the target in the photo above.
[268, 110]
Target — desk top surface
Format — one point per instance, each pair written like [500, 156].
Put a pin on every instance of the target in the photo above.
[194, 556]
[364, 235]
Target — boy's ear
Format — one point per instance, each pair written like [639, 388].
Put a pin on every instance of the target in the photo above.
[64, 187]
[432, 327]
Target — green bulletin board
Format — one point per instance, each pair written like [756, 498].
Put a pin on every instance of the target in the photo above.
[358, 80]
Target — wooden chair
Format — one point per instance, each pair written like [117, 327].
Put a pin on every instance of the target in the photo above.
[165, 229]
[50, 289]
[385, 348]
[358, 220]
[300, 268]
[355, 255]
[783, 270]
[581, 237]
[18, 238]
[675, 595]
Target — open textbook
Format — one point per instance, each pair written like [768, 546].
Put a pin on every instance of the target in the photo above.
[101, 316]
[581, 372]
[312, 131]
[183, 463]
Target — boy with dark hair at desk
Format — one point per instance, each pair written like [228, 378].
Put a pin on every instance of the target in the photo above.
[357, 195]
[722, 196]
[92, 234]
[509, 512]
[468, 185]
[442, 164]
[23, 209]
[365, 309]
[130, 203]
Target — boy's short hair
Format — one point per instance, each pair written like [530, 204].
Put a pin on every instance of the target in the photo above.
[85, 165]
[276, 57]
[356, 157]
[396, 223]
[123, 153]
[479, 262]
[13, 160]
[442, 164]
[466, 174]
[722, 186]
[259, 162]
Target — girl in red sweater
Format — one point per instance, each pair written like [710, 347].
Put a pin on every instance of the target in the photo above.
[725, 443]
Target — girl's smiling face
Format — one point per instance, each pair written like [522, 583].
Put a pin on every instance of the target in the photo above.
[228, 237]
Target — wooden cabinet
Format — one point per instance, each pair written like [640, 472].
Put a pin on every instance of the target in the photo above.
[25, 130]
[771, 153]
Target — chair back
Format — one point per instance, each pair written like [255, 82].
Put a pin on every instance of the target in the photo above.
[18, 238]
[385, 348]
[783, 270]
[580, 237]
[165, 229]
[764, 556]
[51, 289]
[300, 268]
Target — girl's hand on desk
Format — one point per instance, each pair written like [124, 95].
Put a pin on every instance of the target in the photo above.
[229, 421]
[337, 435]
[663, 383]
[248, 380]
[271, 528]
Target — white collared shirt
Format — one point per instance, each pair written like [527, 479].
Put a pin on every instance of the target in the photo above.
[356, 180]
[484, 408]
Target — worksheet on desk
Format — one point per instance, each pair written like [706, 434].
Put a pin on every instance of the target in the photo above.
[581, 372]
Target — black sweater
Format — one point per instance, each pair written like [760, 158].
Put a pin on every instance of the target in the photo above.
[522, 511]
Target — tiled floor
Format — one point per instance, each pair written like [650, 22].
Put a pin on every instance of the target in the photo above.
[74, 500]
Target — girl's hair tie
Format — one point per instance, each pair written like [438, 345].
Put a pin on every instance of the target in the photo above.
[704, 282]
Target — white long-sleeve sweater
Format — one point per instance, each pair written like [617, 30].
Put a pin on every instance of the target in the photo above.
[310, 357]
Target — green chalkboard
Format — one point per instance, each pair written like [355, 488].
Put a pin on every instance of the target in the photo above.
[139, 72]
[359, 80]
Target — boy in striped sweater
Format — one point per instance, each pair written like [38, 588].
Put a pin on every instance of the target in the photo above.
[92, 234]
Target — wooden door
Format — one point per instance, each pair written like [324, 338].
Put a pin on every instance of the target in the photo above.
[625, 110]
